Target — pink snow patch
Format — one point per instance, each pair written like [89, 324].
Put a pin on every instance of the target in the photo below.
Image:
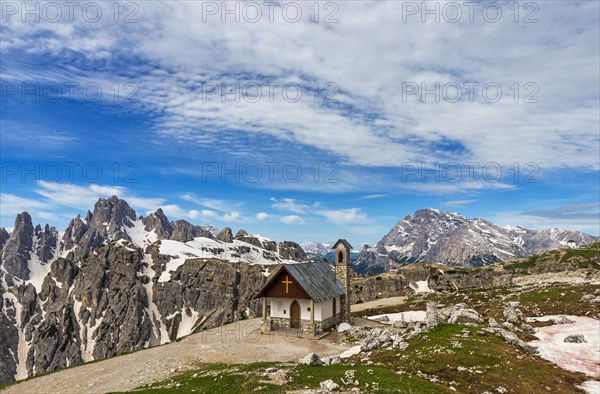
[590, 387]
[577, 357]
[408, 316]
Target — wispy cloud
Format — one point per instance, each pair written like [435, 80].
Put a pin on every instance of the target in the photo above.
[292, 219]
[569, 212]
[458, 203]
[289, 204]
[83, 197]
[371, 124]
[11, 205]
[345, 216]
[580, 217]
[371, 197]
[212, 203]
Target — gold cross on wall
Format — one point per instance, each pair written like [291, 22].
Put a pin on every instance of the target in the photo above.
[287, 282]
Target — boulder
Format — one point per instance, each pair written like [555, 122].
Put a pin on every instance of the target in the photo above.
[528, 329]
[400, 323]
[561, 320]
[376, 339]
[343, 327]
[329, 385]
[512, 314]
[575, 339]
[382, 319]
[431, 314]
[493, 323]
[311, 359]
[332, 360]
[465, 316]
[459, 313]
[513, 339]
[399, 343]
[588, 298]
[445, 313]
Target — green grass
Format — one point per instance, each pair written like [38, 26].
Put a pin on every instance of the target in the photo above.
[485, 362]
[222, 378]
[522, 265]
[217, 378]
[558, 300]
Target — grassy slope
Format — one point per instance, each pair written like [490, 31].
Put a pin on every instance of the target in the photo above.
[252, 378]
[588, 257]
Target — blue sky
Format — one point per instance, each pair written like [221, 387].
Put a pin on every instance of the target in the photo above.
[342, 141]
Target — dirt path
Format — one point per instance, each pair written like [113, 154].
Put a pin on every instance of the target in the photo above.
[378, 303]
[238, 342]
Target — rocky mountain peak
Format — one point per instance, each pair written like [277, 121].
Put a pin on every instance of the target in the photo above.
[159, 223]
[46, 240]
[16, 251]
[111, 216]
[88, 216]
[225, 235]
[185, 231]
[241, 233]
[431, 235]
[23, 224]
[4, 236]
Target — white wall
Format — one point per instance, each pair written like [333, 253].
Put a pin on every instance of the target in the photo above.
[325, 308]
[278, 305]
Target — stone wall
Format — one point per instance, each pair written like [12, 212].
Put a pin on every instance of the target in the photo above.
[307, 328]
[328, 323]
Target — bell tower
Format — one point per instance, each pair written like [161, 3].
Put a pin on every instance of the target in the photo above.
[342, 273]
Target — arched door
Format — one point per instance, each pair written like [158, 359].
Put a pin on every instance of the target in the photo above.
[295, 315]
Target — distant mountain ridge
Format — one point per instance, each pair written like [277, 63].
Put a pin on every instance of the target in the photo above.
[113, 282]
[317, 251]
[431, 235]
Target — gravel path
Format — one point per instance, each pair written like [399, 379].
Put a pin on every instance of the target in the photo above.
[238, 342]
[378, 303]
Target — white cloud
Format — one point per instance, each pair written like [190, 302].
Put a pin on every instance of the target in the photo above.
[371, 196]
[84, 197]
[263, 216]
[373, 125]
[11, 205]
[579, 217]
[345, 216]
[292, 219]
[212, 203]
[204, 215]
[458, 203]
[513, 218]
[289, 204]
